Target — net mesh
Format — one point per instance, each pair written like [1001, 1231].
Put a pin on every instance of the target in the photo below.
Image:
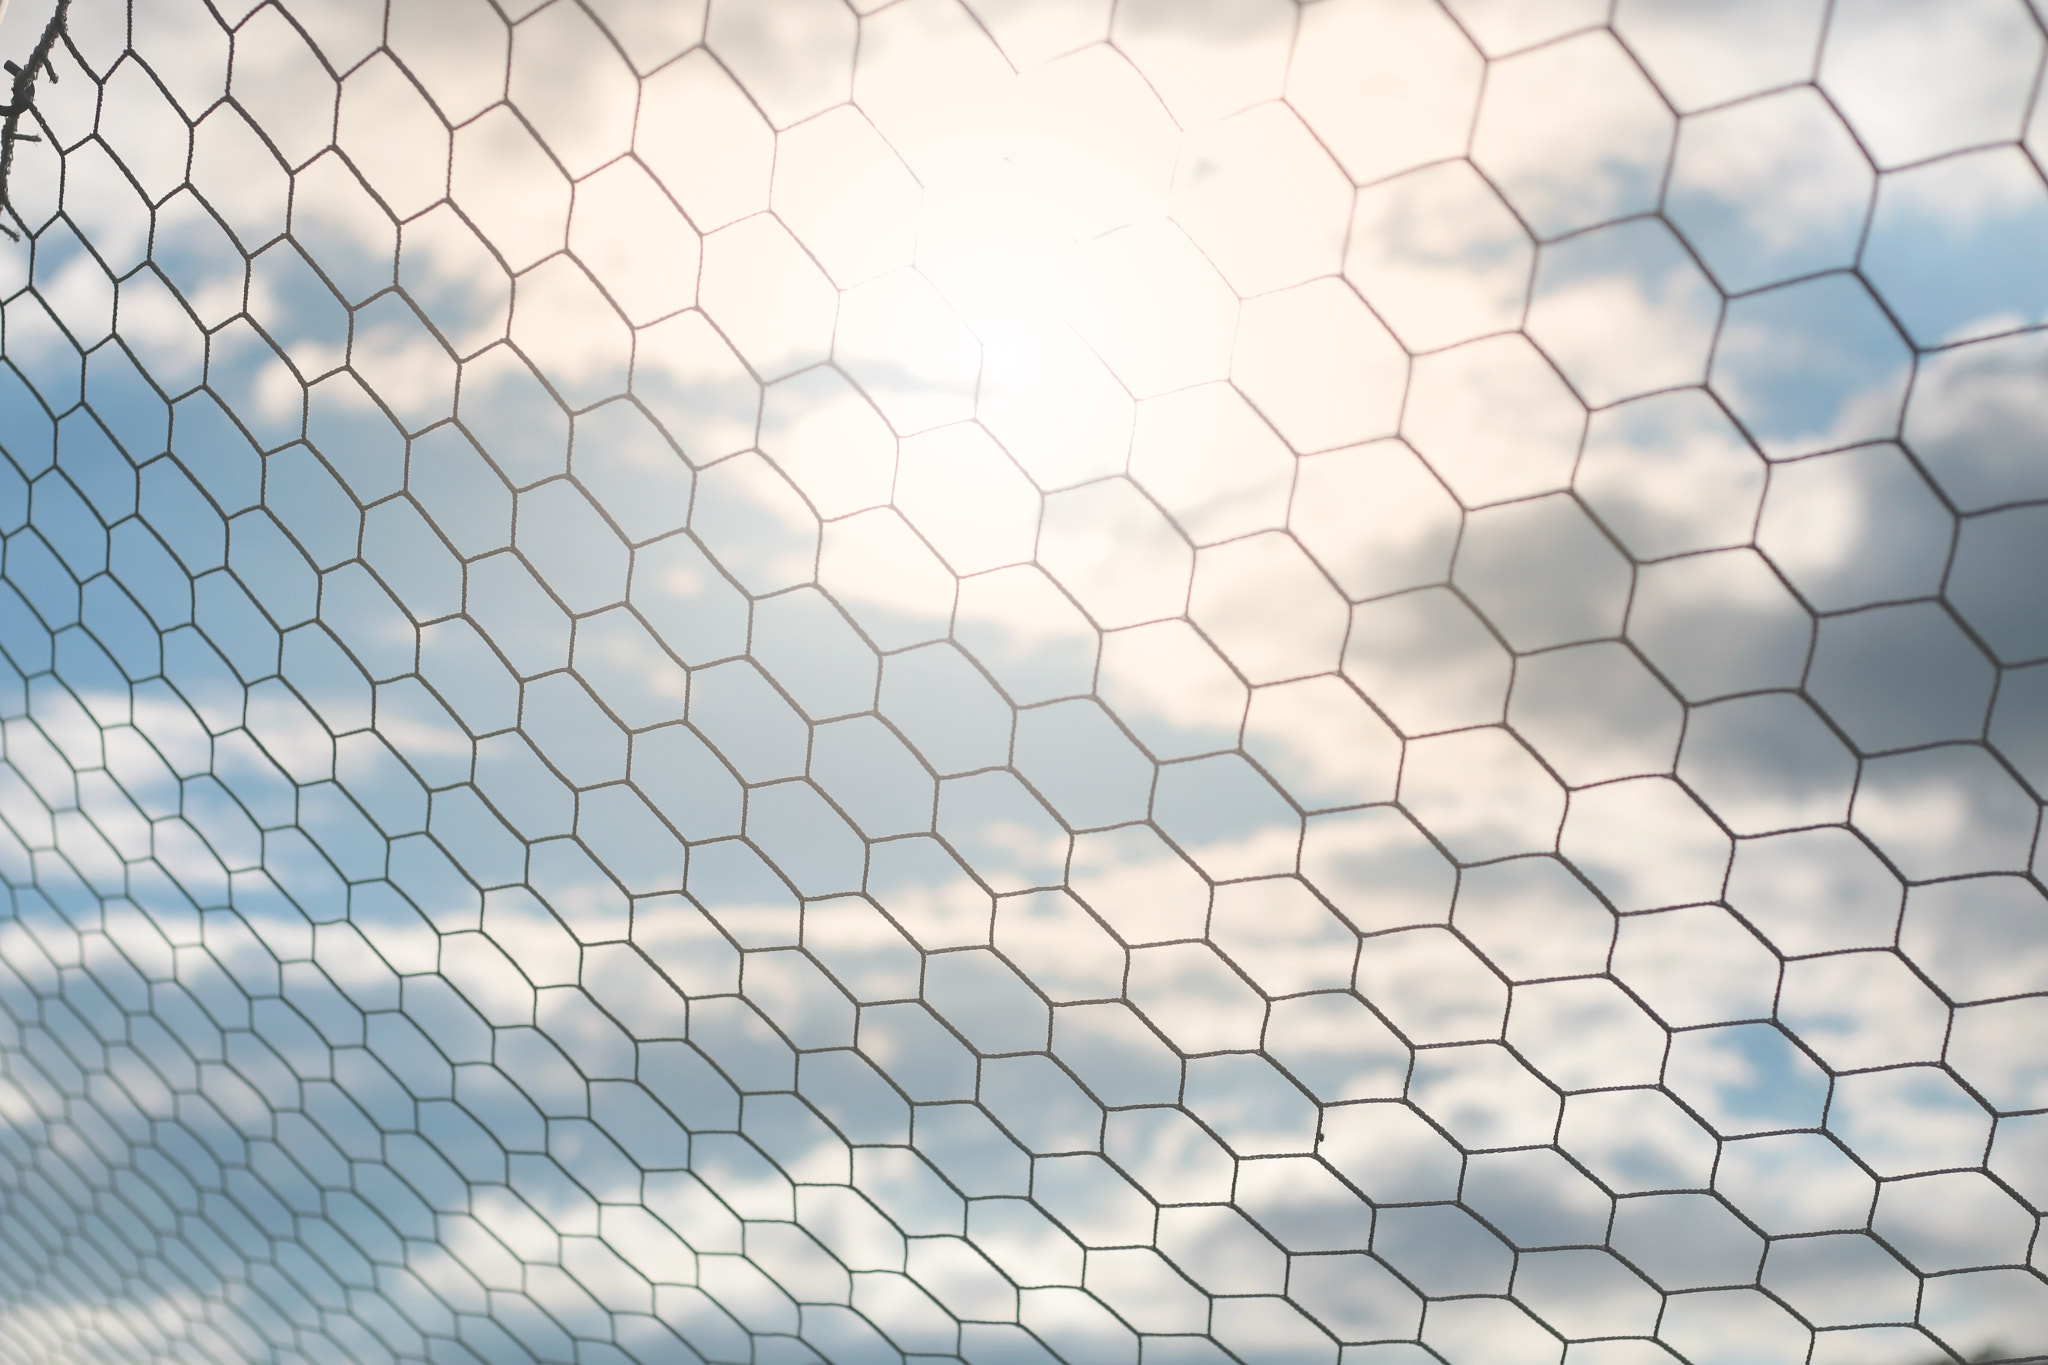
[1024, 681]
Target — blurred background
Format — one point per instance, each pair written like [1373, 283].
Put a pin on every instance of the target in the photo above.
[1135, 683]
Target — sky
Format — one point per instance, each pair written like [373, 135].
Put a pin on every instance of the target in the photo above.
[1353, 683]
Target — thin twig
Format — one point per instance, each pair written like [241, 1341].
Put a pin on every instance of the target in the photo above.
[23, 100]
